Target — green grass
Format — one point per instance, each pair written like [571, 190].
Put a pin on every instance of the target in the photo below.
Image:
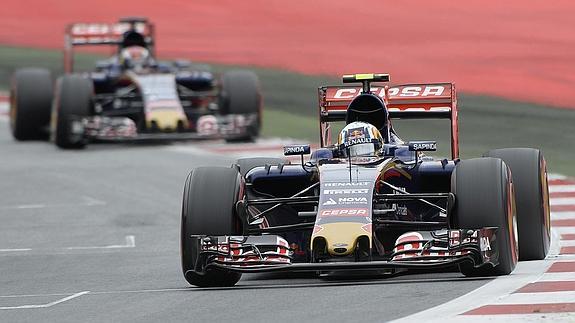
[291, 111]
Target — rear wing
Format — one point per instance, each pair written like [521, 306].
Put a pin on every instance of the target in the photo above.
[406, 101]
[93, 34]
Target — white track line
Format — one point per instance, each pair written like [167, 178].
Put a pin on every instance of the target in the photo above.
[65, 299]
[86, 201]
[130, 243]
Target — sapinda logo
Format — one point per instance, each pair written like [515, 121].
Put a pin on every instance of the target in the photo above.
[424, 146]
[344, 212]
[295, 150]
[406, 91]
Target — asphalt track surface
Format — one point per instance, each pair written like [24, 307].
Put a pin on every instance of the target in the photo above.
[94, 236]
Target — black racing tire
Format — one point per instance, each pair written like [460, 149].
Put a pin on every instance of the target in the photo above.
[529, 171]
[484, 197]
[246, 164]
[31, 96]
[74, 100]
[208, 208]
[240, 94]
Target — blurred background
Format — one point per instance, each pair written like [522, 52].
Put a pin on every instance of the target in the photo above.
[512, 62]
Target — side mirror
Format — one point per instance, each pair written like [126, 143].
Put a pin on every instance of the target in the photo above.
[422, 145]
[294, 150]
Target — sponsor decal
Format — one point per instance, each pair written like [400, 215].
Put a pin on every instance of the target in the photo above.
[339, 245]
[344, 212]
[346, 191]
[348, 184]
[356, 141]
[329, 202]
[207, 125]
[346, 201]
[411, 91]
[356, 133]
[407, 91]
[296, 150]
[423, 146]
[485, 244]
[352, 200]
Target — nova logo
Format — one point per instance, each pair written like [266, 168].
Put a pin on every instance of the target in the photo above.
[352, 200]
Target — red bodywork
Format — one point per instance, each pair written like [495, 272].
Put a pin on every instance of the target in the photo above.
[416, 101]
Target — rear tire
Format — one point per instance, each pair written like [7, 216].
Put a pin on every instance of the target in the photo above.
[240, 94]
[484, 197]
[210, 197]
[30, 104]
[246, 164]
[74, 100]
[529, 172]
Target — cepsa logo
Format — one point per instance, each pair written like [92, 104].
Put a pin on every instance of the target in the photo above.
[344, 212]
[407, 91]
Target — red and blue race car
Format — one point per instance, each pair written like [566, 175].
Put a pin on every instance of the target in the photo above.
[132, 95]
[370, 201]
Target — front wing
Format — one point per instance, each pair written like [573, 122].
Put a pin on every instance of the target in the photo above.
[98, 128]
[270, 253]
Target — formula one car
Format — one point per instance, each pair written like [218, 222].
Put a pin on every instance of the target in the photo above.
[370, 202]
[132, 96]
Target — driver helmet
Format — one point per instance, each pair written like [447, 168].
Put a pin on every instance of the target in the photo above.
[135, 57]
[360, 139]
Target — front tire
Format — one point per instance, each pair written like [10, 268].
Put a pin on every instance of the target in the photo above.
[30, 104]
[529, 171]
[210, 197]
[240, 94]
[74, 101]
[484, 197]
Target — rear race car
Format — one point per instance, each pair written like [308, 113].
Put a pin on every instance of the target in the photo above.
[132, 96]
[388, 211]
